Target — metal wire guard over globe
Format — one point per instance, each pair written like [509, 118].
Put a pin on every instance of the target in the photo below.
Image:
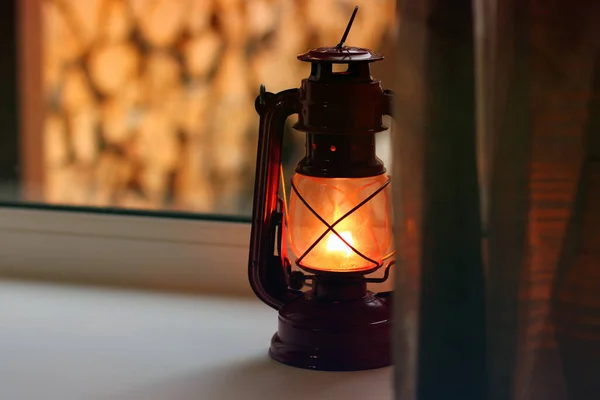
[340, 224]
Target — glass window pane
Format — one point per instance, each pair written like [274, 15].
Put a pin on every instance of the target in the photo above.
[150, 104]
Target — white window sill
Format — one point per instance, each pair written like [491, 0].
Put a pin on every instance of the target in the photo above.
[68, 342]
[125, 250]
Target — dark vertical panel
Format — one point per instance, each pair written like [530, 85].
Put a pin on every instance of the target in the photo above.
[9, 152]
[576, 302]
[450, 358]
[509, 193]
[407, 186]
[31, 101]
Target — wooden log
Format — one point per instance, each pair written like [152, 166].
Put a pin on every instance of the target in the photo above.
[157, 143]
[112, 66]
[67, 185]
[111, 177]
[162, 77]
[327, 20]
[290, 39]
[376, 19]
[228, 200]
[232, 22]
[154, 181]
[201, 53]
[121, 114]
[231, 113]
[193, 113]
[292, 34]
[54, 185]
[83, 126]
[229, 155]
[83, 17]
[117, 21]
[132, 93]
[76, 92]
[161, 21]
[134, 200]
[188, 108]
[192, 186]
[266, 69]
[52, 31]
[52, 68]
[137, 7]
[230, 81]
[260, 17]
[198, 15]
[232, 99]
[55, 141]
[60, 38]
[119, 121]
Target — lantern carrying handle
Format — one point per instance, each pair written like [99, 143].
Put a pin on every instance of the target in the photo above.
[269, 268]
[261, 96]
[347, 31]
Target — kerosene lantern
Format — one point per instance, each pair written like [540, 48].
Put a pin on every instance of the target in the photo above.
[338, 219]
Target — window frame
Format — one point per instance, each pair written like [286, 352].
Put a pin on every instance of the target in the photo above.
[30, 96]
[9, 116]
[151, 252]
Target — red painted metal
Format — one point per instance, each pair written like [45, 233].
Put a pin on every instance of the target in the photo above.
[337, 326]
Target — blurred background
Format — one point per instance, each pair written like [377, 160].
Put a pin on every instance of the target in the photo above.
[149, 104]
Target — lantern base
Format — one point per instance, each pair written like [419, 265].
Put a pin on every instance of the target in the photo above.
[334, 336]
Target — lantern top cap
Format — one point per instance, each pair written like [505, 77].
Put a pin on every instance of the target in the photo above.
[340, 55]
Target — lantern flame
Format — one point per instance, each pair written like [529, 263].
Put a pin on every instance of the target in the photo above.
[335, 244]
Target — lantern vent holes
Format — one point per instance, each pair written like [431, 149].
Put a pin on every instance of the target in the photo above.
[339, 68]
[340, 72]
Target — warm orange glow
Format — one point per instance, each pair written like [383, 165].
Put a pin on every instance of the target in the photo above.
[335, 244]
[368, 229]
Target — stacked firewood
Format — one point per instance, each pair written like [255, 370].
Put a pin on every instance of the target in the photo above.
[150, 103]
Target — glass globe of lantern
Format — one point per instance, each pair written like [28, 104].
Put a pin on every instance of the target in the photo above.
[363, 236]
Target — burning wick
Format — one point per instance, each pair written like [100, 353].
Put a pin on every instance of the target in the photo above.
[335, 244]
